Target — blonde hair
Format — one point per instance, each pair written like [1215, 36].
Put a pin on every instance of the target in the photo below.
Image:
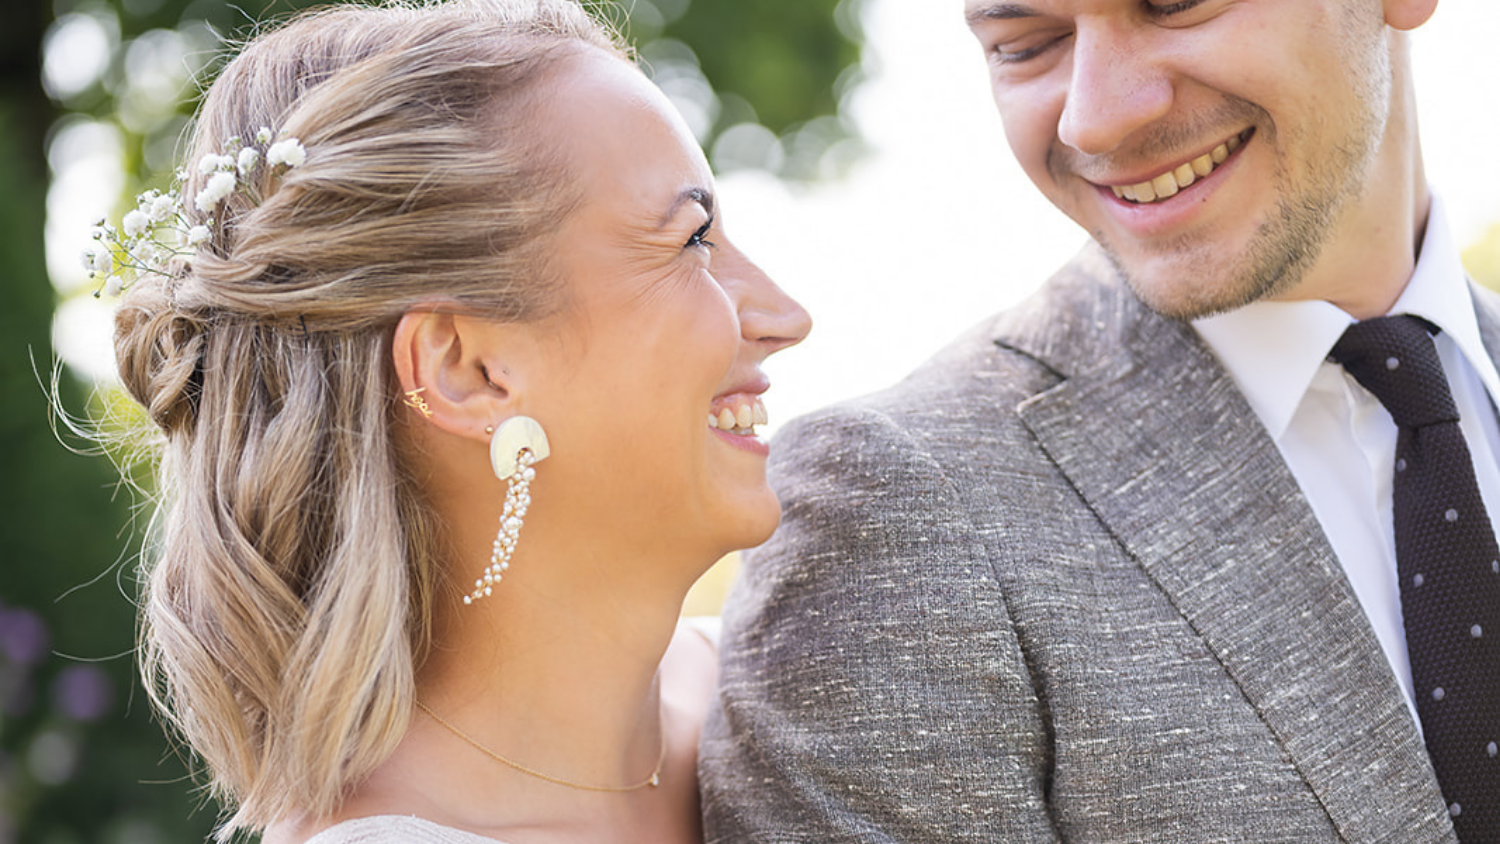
[287, 590]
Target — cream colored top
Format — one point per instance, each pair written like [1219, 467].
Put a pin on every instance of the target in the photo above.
[396, 829]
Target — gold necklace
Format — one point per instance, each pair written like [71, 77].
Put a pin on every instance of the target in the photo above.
[654, 780]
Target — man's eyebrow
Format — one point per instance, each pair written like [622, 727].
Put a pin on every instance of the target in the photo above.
[702, 196]
[999, 12]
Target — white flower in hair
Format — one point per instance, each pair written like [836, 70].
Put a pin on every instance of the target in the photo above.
[135, 223]
[157, 230]
[97, 259]
[152, 254]
[163, 207]
[220, 185]
[248, 159]
[289, 152]
[213, 161]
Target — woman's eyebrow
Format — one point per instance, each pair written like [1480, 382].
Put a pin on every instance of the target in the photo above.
[702, 196]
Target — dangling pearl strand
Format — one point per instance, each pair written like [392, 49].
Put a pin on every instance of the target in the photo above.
[517, 499]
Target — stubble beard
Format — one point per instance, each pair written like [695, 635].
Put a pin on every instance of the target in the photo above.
[1278, 257]
[1287, 244]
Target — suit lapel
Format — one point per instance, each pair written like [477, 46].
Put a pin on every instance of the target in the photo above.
[1154, 434]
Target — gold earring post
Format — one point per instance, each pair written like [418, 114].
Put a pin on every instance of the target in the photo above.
[415, 401]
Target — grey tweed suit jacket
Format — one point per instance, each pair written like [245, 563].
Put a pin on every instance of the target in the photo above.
[1058, 585]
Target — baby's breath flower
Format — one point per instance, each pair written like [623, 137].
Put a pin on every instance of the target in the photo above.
[163, 208]
[248, 159]
[213, 161]
[289, 152]
[156, 231]
[152, 254]
[220, 185]
[136, 223]
[97, 259]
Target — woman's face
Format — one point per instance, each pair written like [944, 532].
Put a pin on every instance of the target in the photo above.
[653, 363]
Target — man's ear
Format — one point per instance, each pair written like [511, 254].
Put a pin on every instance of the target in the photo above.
[452, 372]
[1407, 15]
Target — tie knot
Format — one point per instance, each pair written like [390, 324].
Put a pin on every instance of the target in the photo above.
[1395, 359]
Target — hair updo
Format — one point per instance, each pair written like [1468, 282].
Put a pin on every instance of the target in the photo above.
[286, 597]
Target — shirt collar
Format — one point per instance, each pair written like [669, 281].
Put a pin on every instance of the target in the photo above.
[1273, 349]
[1439, 293]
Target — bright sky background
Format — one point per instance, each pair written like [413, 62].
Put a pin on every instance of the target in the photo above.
[938, 227]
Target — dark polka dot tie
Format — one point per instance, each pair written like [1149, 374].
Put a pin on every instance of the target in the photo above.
[1448, 563]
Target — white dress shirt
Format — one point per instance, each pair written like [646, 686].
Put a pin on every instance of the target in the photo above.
[1335, 436]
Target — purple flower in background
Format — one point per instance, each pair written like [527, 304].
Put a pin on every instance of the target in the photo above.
[82, 692]
[23, 635]
[23, 644]
[17, 692]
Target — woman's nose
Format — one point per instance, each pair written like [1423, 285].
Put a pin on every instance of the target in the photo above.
[768, 316]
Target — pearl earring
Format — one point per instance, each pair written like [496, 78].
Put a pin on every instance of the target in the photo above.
[515, 447]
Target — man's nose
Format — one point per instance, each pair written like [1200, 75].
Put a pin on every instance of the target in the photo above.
[1114, 89]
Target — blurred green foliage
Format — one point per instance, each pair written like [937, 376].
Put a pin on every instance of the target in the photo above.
[81, 759]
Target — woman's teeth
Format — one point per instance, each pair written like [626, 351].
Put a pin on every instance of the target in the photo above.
[1169, 183]
[739, 415]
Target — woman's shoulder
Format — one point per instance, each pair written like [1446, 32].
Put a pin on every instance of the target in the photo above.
[396, 829]
[690, 670]
[691, 663]
[705, 627]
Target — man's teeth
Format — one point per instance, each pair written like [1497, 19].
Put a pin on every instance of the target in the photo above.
[1169, 183]
[739, 417]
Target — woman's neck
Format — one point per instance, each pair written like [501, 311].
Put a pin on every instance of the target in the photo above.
[566, 684]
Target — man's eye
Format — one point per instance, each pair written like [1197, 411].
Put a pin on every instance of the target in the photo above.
[1016, 54]
[1163, 10]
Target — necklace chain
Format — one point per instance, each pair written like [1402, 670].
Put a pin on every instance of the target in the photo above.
[653, 781]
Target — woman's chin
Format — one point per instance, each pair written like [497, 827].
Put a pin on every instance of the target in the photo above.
[753, 522]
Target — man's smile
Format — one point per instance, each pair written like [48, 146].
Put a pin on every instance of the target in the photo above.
[1170, 182]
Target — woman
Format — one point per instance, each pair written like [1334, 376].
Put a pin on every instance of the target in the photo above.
[474, 270]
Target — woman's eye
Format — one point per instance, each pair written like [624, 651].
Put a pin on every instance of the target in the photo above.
[700, 237]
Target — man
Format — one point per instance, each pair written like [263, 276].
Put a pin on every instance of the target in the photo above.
[1120, 564]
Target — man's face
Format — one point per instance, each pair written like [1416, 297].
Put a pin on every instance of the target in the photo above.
[1216, 149]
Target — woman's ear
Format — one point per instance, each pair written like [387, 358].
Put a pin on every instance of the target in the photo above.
[450, 372]
[1407, 15]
